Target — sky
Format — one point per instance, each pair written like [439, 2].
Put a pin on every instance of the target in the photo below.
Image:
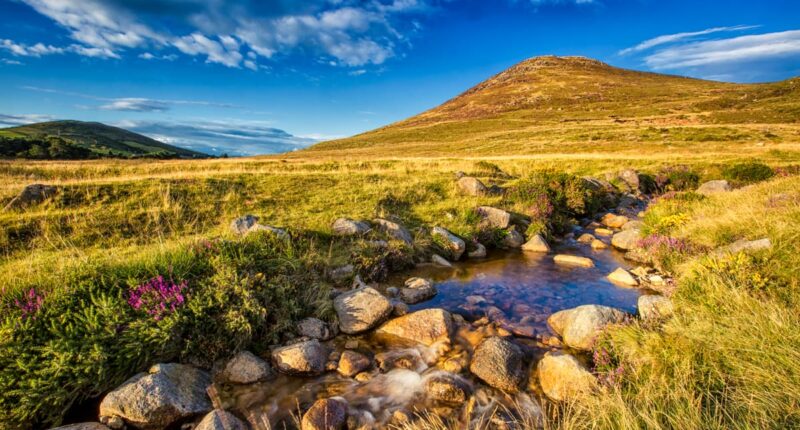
[247, 77]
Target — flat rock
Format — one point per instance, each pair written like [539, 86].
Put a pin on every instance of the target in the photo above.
[361, 309]
[428, 327]
[219, 419]
[453, 243]
[164, 395]
[314, 328]
[305, 358]
[623, 277]
[579, 326]
[352, 363]
[654, 307]
[417, 290]
[536, 244]
[494, 217]
[573, 260]
[471, 186]
[563, 377]
[244, 368]
[626, 240]
[325, 414]
[498, 363]
[394, 230]
[349, 227]
[714, 187]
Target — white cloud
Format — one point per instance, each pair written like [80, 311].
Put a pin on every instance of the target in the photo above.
[22, 119]
[10, 62]
[136, 105]
[131, 104]
[677, 37]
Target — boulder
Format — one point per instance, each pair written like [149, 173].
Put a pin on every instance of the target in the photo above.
[448, 388]
[585, 238]
[536, 244]
[714, 187]
[166, 394]
[579, 327]
[626, 240]
[249, 223]
[305, 358]
[598, 244]
[453, 243]
[623, 277]
[494, 217]
[563, 377]
[478, 252]
[31, 195]
[633, 225]
[314, 328]
[417, 290]
[83, 426]
[219, 419]
[352, 363]
[614, 221]
[361, 309]
[427, 327]
[244, 368]
[325, 414]
[513, 239]
[573, 260]
[654, 307]
[394, 230]
[440, 261]
[498, 363]
[631, 178]
[471, 186]
[349, 227]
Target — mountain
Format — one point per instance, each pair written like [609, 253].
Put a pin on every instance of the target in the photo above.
[575, 104]
[79, 140]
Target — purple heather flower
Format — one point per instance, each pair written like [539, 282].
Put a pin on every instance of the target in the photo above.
[158, 297]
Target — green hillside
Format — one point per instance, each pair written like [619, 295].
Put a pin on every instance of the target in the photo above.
[80, 140]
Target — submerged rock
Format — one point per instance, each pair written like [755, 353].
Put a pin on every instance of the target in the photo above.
[325, 414]
[305, 358]
[654, 307]
[626, 240]
[361, 310]
[349, 227]
[219, 419]
[579, 326]
[244, 368]
[394, 230]
[454, 244]
[563, 377]
[428, 327]
[494, 217]
[498, 363]
[714, 187]
[471, 186]
[623, 277]
[573, 260]
[417, 290]
[164, 395]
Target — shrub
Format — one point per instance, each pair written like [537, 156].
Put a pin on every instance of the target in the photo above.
[677, 178]
[747, 173]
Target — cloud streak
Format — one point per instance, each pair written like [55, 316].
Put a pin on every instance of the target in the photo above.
[132, 104]
[677, 37]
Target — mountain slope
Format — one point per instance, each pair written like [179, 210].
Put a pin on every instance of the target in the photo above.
[575, 104]
[98, 139]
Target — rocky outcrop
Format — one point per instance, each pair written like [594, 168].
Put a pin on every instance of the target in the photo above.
[314, 328]
[563, 377]
[417, 290]
[470, 186]
[654, 307]
[394, 230]
[305, 358]
[249, 223]
[349, 227]
[452, 243]
[494, 217]
[623, 277]
[573, 261]
[352, 363]
[164, 395]
[536, 244]
[498, 363]
[361, 310]
[325, 414]
[428, 327]
[244, 368]
[714, 187]
[33, 194]
[219, 419]
[626, 240]
[579, 327]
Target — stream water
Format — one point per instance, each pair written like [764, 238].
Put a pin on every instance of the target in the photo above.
[508, 293]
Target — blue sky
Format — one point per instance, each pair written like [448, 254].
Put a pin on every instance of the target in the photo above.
[250, 76]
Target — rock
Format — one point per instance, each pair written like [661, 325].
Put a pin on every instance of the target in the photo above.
[115, 423]
[244, 368]
[585, 238]
[31, 195]
[352, 363]
[394, 230]
[513, 239]
[451, 242]
[623, 277]
[573, 260]
[579, 327]
[410, 359]
[447, 388]
[494, 217]
[478, 252]
[83, 426]
[392, 291]
[639, 255]
[440, 261]
[249, 223]
[219, 419]
[633, 225]
[654, 307]
[498, 363]
[598, 244]
[342, 274]
[164, 395]
[563, 377]
[325, 414]
[631, 178]
[536, 244]
[399, 308]
[417, 290]
[603, 232]
[306, 358]
[626, 240]
[349, 227]
[427, 327]
[314, 328]
[613, 221]
[746, 246]
[471, 186]
[713, 187]
[361, 310]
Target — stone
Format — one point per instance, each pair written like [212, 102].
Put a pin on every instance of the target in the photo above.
[306, 358]
[219, 419]
[440, 261]
[626, 240]
[164, 395]
[361, 310]
[314, 328]
[498, 363]
[394, 230]
[513, 239]
[714, 187]
[325, 414]
[249, 224]
[494, 217]
[352, 363]
[563, 377]
[83, 426]
[536, 244]
[623, 277]
[654, 307]
[33, 194]
[417, 290]
[428, 327]
[633, 225]
[611, 220]
[349, 227]
[743, 245]
[453, 243]
[471, 186]
[585, 238]
[342, 274]
[631, 178]
[399, 308]
[409, 359]
[447, 388]
[579, 326]
[573, 260]
[244, 368]
[478, 252]
[603, 232]
[598, 244]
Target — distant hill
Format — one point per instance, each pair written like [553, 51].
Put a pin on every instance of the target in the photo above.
[575, 104]
[82, 140]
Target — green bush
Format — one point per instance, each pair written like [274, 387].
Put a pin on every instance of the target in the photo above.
[747, 173]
